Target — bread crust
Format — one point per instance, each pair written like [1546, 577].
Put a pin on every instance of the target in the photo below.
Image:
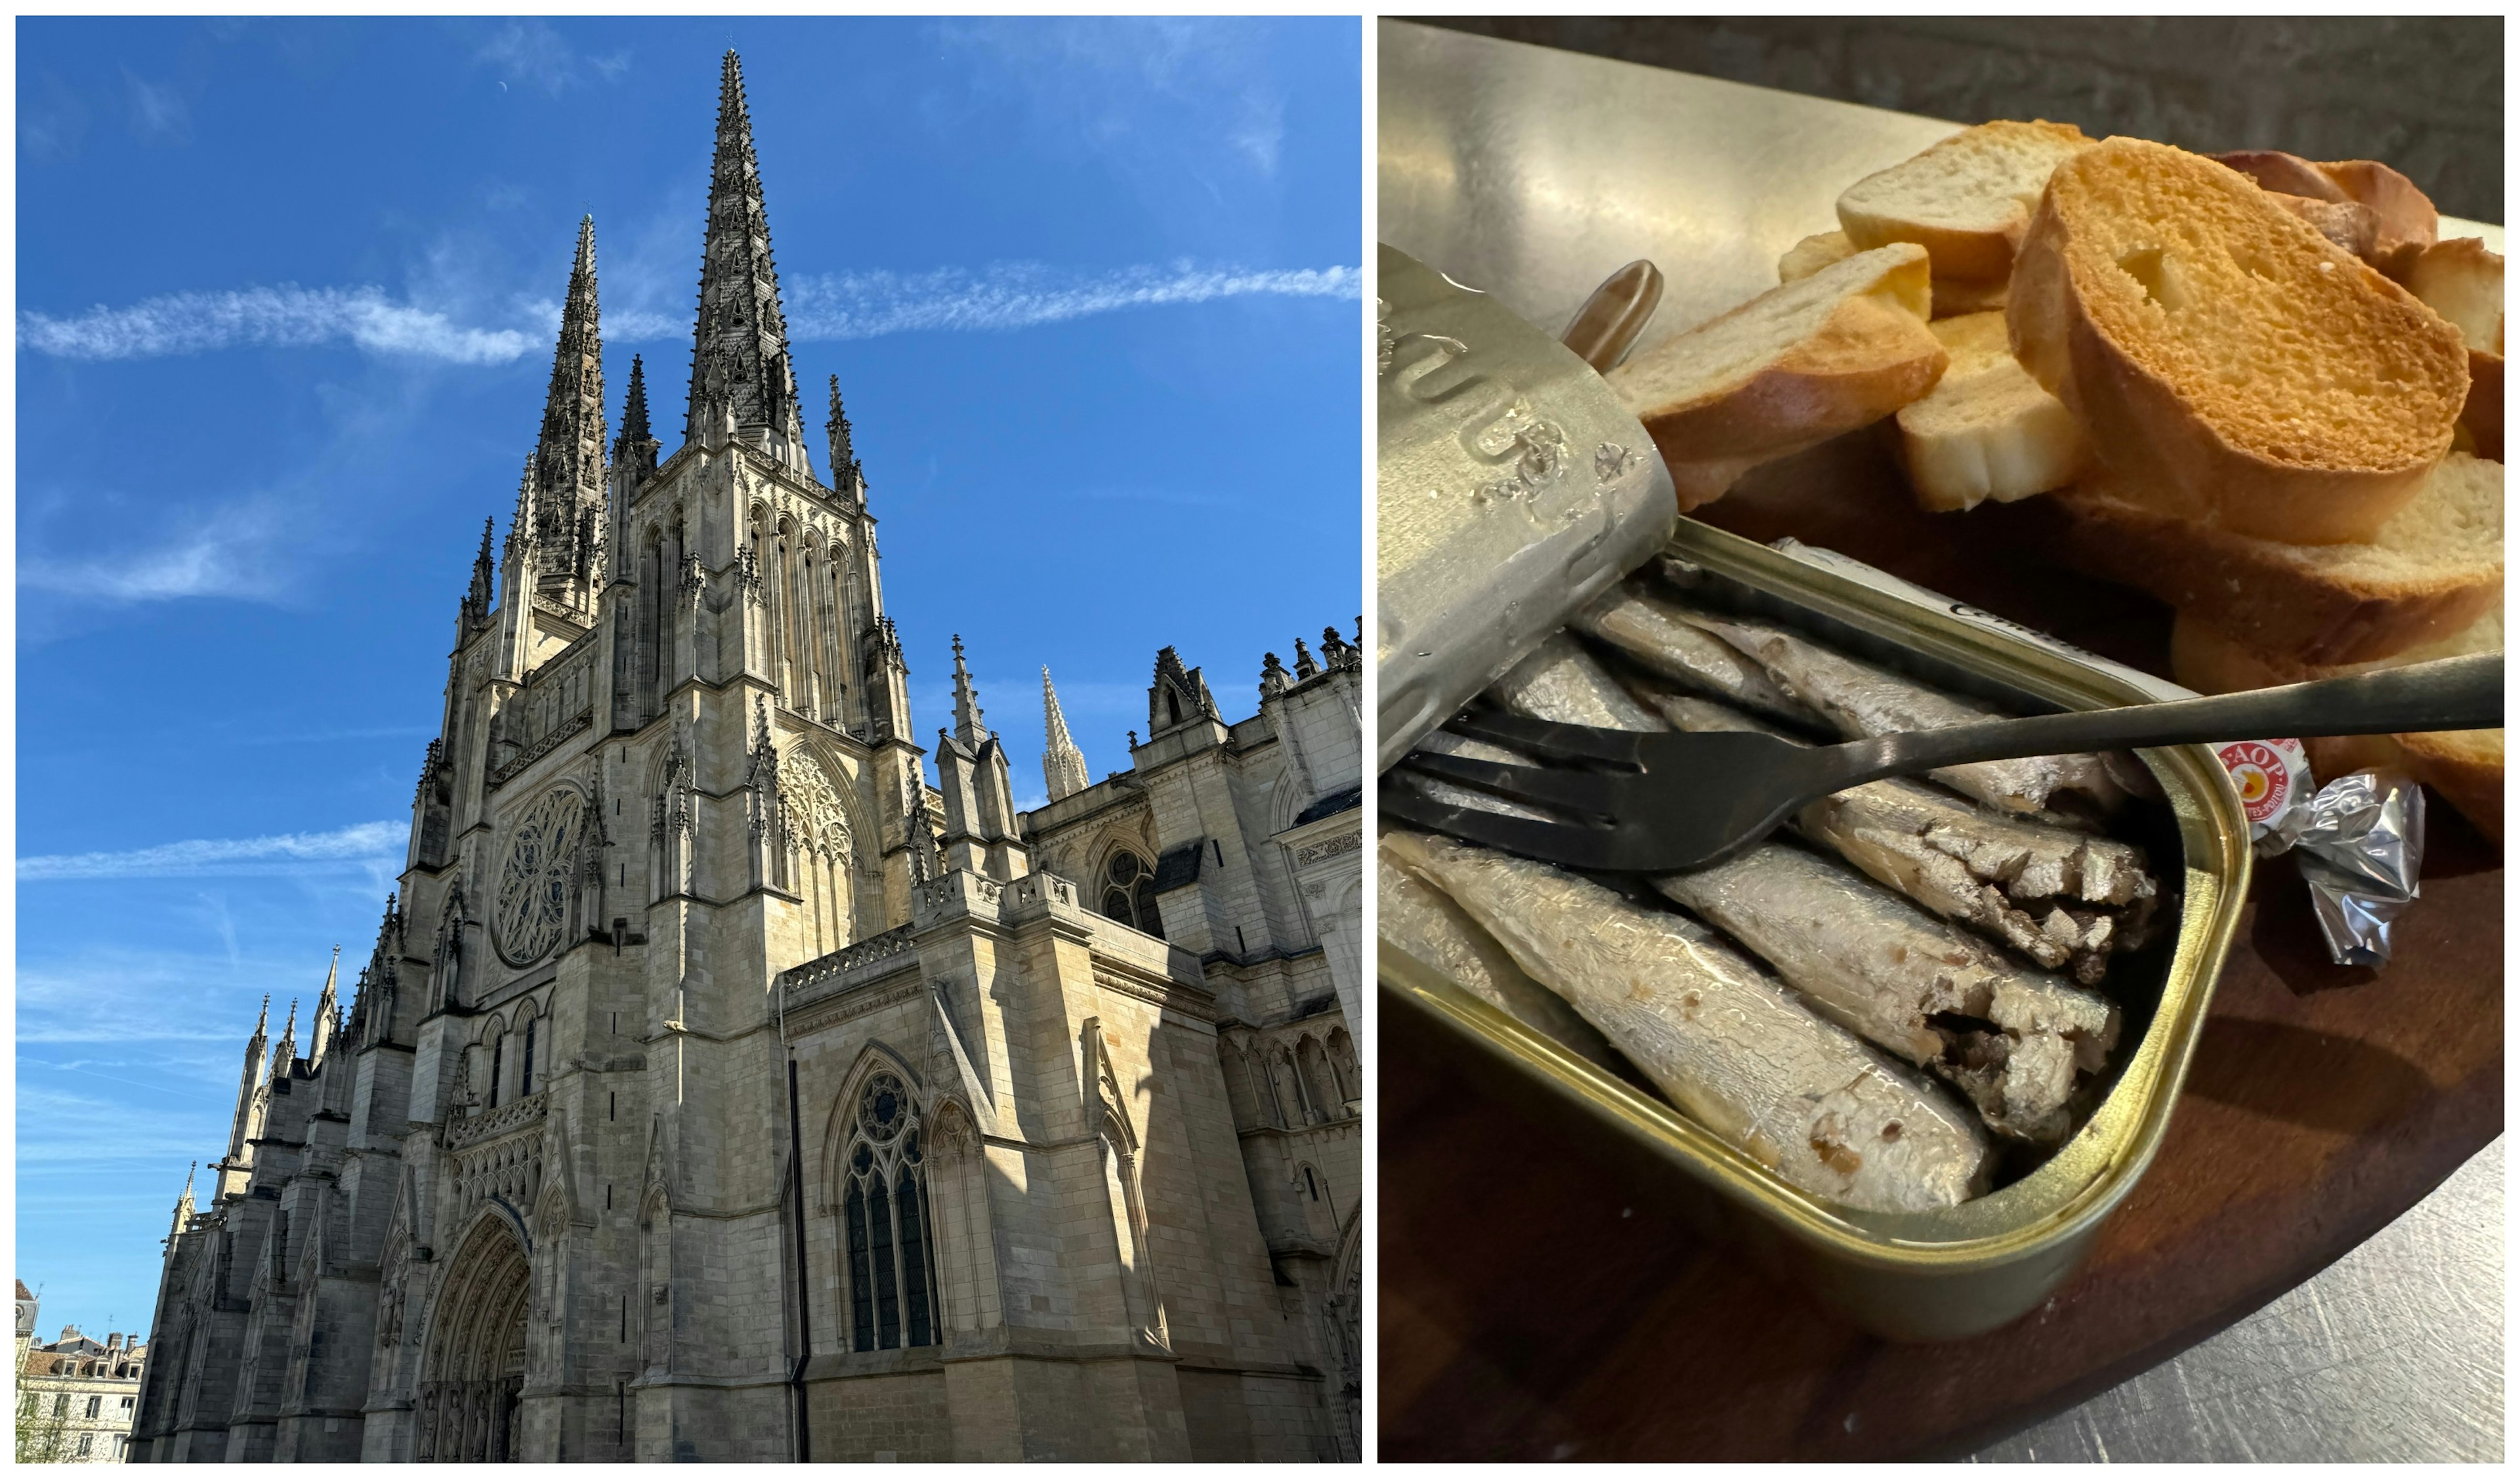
[2154, 432]
[1874, 212]
[2350, 225]
[1867, 358]
[2404, 221]
[2237, 585]
[1956, 297]
[2482, 414]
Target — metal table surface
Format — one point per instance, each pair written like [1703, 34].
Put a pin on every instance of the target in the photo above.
[1531, 174]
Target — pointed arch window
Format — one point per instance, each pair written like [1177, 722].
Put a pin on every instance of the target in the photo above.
[528, 1062]
[888, 1243]
[1128, 893]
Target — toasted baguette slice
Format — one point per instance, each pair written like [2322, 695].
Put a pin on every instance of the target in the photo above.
[2408, 223]
[2353, 226]
[1967, 200]
[1827, 248]
[2462, 282]
[2464, 765]
[2403, 219]
[2433, 569]
[2482, 417]
[2232, 364]
[1792, 367]
[1986, 430]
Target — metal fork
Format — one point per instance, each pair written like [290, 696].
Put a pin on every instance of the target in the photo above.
[1671, 801]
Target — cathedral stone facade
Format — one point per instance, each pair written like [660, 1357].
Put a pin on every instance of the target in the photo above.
[718, 1089]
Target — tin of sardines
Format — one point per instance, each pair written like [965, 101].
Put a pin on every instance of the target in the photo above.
[1912, 1050]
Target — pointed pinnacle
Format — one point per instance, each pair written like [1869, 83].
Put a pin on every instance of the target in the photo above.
[264, 1022]
[1055, 721]
[634, 410]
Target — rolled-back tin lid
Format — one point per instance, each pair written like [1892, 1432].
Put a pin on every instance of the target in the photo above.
[1512, 488]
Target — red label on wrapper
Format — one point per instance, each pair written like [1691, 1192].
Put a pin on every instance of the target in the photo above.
[2265, 774]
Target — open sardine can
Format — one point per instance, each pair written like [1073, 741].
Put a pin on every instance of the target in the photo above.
[1960, 1271]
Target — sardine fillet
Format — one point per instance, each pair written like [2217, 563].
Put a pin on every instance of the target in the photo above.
[1859, 700]
[2066, 899]
[1900, 977]
[1417, 916]
[1866, 957]
[1639, 621]
[1731, 1048]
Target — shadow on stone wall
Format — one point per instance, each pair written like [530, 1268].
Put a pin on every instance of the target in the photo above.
[2422, 94]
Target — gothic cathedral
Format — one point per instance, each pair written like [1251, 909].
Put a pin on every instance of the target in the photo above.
[718, 1089]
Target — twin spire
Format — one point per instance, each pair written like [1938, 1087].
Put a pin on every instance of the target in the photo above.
[741, 376]
[740, 368]
[557, 530]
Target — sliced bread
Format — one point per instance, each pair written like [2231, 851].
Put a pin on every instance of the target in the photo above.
[1830, 248]
[2349, 224]
[1986, 430]
[1827, 248]
[2403, 219]
[1792, 367]
[2462, 282]
[1956, 297]
[1967, 200]
[2431, 571]
[2482, 417]
[2233, 365]
[2464, 765]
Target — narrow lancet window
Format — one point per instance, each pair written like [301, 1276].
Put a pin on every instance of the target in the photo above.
[890, 1237]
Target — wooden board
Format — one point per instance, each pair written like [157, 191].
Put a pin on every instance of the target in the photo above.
[1532, 1306]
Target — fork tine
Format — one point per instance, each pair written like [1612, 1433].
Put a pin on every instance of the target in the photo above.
[1565, 790]
[1548, 741]
[1565, 845]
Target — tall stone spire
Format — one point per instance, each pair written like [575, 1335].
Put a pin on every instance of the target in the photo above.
[968, 727]
[566, 478]
[1062, 764]
[740, 368]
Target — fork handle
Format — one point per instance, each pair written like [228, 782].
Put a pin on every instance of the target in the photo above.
[2452, 694]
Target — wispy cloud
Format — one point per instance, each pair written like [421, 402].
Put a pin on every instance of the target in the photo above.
[158, 114]
[1199, 82]
[1005, 296]
[847, 305]
[284, 317]
[363, 842]
[227, 551]
[531, 53]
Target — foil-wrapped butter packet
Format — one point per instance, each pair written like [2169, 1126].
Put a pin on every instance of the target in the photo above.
[2362, 852]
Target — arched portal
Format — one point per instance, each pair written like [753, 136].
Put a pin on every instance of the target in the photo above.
[474, 1373]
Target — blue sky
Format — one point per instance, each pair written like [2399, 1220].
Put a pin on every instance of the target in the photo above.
[286, 297]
